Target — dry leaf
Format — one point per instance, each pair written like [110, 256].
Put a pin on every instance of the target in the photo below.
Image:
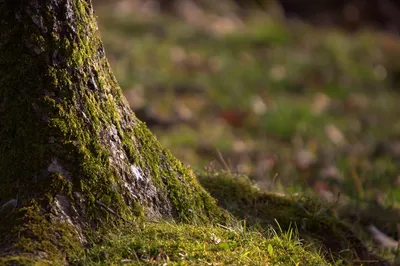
[258, 105]
[382, 239]
[320, 103]
[304, 159]
[335, 135]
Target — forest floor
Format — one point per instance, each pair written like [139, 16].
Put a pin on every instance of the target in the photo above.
[296, 108]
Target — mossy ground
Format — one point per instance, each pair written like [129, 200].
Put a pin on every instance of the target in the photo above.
[173, 244]
[249, 241]
[315, 221]
[269, 229]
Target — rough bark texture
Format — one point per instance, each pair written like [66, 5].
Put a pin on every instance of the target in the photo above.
[72, 154]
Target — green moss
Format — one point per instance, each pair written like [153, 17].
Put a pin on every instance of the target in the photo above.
[315, 222]
[52, 239]
[21, 260]
[192, 203]
[179, 244]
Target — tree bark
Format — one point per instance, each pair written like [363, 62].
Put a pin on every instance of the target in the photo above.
[72, 154]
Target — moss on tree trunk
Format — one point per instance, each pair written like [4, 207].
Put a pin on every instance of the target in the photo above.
[73, 155]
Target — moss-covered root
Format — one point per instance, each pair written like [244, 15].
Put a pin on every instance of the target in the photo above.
[73, 156]
[314, 221]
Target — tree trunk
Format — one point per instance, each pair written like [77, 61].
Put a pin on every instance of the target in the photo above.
[73, 155]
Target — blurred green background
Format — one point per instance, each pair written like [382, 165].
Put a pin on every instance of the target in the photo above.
[301, 96]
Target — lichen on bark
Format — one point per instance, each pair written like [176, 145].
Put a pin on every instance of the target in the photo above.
[73, 155]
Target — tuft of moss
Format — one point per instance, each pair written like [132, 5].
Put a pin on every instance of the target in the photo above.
[316, 223]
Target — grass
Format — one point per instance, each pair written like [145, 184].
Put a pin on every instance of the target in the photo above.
[290, 72]
[296, 108]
